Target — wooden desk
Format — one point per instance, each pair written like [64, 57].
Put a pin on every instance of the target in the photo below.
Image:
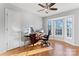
[34, 37]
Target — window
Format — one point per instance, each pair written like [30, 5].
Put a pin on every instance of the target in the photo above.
[69, 27]
[49, 25]
[61, 27]
[58, 27]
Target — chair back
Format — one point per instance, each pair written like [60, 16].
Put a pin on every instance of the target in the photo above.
[49, 32]
[32, 30]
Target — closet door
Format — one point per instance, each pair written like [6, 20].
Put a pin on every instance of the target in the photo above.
[12, 30]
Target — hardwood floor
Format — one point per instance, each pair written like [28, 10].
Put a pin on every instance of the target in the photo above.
[56, 48]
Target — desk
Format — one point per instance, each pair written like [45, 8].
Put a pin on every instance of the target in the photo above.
[34, 37]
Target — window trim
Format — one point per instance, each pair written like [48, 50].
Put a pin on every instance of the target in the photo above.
[72, 27]
[58, 36]
[64, 28]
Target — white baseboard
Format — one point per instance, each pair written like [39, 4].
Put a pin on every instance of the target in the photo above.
[72, 43]
[66, 42]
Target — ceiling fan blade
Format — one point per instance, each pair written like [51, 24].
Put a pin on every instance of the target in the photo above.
[51, 4]
[41, 5]
[53, 9]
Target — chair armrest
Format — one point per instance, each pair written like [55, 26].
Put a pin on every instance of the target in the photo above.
[45, 36]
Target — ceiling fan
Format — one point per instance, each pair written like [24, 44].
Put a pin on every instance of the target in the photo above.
[47, 6]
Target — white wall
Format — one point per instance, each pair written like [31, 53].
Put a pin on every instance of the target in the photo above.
[2, 35]
[75, 13]
[22, 18]
[33, 20]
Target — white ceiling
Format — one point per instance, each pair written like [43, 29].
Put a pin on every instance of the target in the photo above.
[33, 7]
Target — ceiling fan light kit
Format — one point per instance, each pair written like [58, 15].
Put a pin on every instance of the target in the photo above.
[47, 7]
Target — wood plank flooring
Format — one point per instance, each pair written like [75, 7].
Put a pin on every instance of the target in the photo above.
[56, 48]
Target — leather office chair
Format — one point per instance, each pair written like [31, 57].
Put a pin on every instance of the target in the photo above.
[45, 39]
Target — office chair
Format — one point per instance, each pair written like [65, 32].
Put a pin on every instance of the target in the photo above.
[45, 39]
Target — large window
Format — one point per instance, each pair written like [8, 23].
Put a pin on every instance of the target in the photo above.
[49, 25]
[58, 29]
[61, 27]
[69, 28]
